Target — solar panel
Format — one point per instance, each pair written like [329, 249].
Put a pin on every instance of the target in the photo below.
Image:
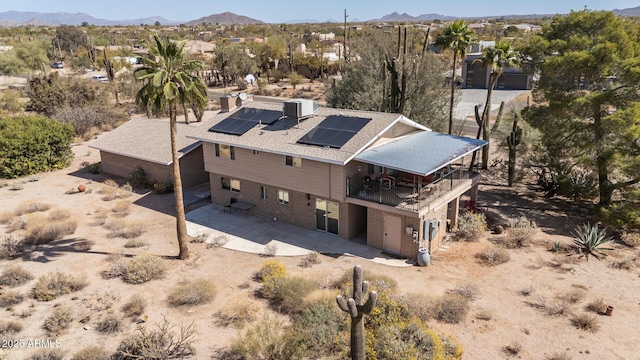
[334, 131]
[233, 126]
[265, 116]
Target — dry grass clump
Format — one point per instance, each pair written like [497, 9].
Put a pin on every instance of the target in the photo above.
[559, 307]
[586, 322]
[421, 305]
[100, 215]
[136, 243]
[520, 234]
[110, 324]
[17, 223]
[162, 342]
[50, 286]
[31, 207]
[192, 292]
[238, 313]
[115, 225]
[48, 354]
[597, 306]
[59, 214]
[92, 352]
[310, 260]
[122, 208]
[135, 306]
[135, 270]
[41, 230]
[627, 263]
[378, 282]
[573, 296]
[111, 191]
[11, 247]
[559, 356]
[15, 275]
[125, 229]
[6, 216]
[493, 256]
[8, 328]
[483, 315]
[468, 290]
[10, 298]
[450, 308]
[631, 238]
[512, 349]
[58, 321]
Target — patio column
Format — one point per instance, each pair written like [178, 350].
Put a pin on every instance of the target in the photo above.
[473, 192]
[454, 208]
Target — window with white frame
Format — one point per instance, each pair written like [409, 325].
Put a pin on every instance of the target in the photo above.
[225, 151]
[283, 197]
[230, 184]
[293, 161]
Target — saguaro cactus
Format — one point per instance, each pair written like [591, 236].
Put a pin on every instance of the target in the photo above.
[513, 140]
[357, 307]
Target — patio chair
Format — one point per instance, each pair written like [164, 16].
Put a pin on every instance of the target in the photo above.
[227, 205]
[386, 181]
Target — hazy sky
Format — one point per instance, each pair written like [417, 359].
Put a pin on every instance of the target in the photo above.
[276, 11]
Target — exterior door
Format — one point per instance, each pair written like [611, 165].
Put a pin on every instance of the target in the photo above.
[392, 233]
[327, 216]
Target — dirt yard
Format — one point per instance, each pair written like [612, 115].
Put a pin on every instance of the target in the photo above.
[521, 309]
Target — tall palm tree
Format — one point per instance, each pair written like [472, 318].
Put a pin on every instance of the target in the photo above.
[497, 58]
[457, 37]
[168, 78]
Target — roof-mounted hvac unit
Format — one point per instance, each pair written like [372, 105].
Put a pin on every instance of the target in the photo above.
[300, 108]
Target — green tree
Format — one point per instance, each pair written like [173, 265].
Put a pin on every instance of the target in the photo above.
[33, 144]
[271, 53]
[67, 40]
[233, 63]
[168, 77]
[365, 84]
[28, 56]
[497, 58]
[48, 93]
[456, 37]
[589, 67]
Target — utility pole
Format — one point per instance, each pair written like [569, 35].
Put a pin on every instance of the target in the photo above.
[345, 36]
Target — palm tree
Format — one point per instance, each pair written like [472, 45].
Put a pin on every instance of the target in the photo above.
[457, 37]
[169, 78]
[498, 58]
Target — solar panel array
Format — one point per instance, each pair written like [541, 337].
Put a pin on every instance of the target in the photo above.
[244, 119]
[334, 131]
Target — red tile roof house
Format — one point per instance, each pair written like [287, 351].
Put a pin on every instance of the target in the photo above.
[359, 175]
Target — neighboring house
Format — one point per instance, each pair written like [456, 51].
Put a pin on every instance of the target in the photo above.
[476, 76]
[375, 176]
[145, 143]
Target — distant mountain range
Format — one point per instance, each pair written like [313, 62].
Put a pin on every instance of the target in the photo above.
[21, 18]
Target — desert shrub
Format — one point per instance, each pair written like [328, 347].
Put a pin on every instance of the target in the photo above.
[162, 187]
[126, 229]
[468, 290]
[59, 320]
[8, 328]
[100, 215]
[50, 286]
[271, 269]
[200, 238]
[379, 282]
[626, 263]
[10, 298]
[319, 326]
[520, 234]
[122, 207]
[631, 238]
[470, 227]
[92, 352]
[512, 349]
[6, 216]
[270, 250]
[31, 207]
[15, 275]
[286, 293]
[95, 168]
[310, 260]
[483, 315]
[84, 118]
[33, 144]
[110, 324]
[136, 243]
[192, 292]
[559, 307]
[591, 240]
[218, 241]
[59, 214]
[139, 269]
[597, 306]
[559, 356]
[238, 313]
[17, 223]
[11, 247]
[138, 179]
[115, 225]
[48, 354]
[421, 305]
[586, 322]
[493, 255]
[573, 296]
[268, 339]
[452, 308]
[135, 306]
[83, 245]
[40, 230]
[161, 342]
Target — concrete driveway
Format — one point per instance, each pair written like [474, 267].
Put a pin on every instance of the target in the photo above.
[244, 232]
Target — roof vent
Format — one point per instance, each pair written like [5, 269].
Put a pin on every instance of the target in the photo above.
[227, 103]
[300, 108]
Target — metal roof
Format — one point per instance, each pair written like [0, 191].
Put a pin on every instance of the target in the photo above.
[421, 153]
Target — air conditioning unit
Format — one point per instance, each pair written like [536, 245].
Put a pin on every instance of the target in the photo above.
[300, 108]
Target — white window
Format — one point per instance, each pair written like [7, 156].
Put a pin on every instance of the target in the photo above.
[231, 184]
[263, 190]
[293, 161]
[283, 197]
[225, 151]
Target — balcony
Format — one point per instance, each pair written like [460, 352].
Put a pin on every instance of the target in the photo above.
[411, 196]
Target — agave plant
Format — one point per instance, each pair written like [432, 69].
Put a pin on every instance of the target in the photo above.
[590, 240]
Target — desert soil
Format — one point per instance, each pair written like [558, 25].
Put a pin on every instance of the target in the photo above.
[500, 315]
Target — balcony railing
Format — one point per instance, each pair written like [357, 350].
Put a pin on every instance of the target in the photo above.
[409, 196]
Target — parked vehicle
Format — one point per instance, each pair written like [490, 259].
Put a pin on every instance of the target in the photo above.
[101, 78]
[57, 65]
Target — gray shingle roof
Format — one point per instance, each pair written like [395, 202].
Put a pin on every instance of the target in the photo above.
[279, 139]
[420, 153]
[146, 139]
